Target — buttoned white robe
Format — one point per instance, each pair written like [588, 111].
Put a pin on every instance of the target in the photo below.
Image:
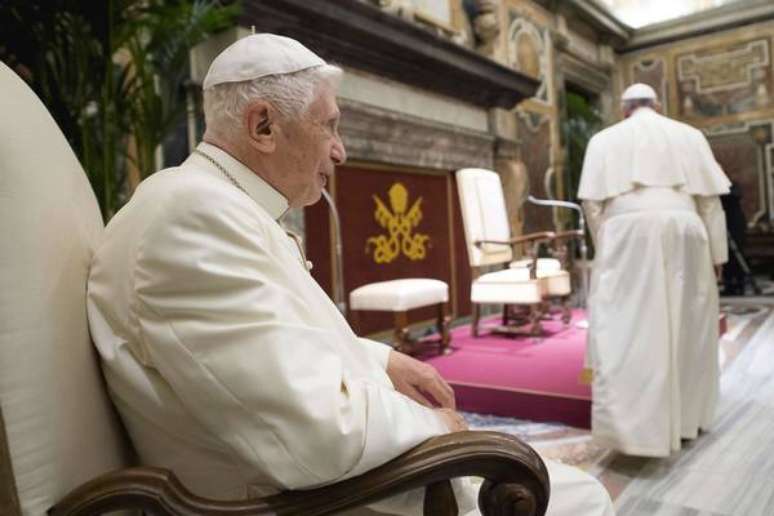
[228, 363]
[650, 187]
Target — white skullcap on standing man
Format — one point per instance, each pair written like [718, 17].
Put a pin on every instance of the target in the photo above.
[639, 91]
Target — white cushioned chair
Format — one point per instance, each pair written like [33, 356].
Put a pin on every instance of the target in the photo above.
[399, 297]
[526, 283]
[62, 449]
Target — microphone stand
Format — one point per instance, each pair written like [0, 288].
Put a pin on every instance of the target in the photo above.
[338, 281]
[583, 248]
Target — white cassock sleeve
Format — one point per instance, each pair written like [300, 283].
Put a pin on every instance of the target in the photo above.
[379, 350]
[254, 363]
[711, 212]
[593, 211]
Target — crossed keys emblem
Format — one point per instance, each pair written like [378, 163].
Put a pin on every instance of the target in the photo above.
[399, 224]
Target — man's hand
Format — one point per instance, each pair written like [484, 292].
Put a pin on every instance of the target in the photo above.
[416, 380]
[452, 419]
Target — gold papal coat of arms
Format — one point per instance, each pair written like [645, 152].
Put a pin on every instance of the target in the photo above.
[400, 225]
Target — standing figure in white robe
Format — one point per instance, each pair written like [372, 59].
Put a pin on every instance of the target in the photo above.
[227, 362]
[650, 188]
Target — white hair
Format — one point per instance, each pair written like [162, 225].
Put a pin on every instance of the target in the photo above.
[631, 104]
[291, 95]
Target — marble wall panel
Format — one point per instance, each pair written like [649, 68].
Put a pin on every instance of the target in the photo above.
[535, 135]
[733, 152]
[653, 72]
[725, 79]
[723, 83]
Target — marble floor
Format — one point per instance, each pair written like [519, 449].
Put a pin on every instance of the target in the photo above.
[727, 471]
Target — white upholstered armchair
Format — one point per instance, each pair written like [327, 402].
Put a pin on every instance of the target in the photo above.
[62, 448]
[524, 283]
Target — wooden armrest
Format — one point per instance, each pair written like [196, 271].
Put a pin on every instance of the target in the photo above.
[531, 237]
[516, 483]
[534, 237]
[571, 233]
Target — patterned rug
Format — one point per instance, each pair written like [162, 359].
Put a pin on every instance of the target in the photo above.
[574, 446]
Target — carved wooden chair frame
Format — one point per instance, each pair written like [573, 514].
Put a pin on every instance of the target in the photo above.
[516, 484]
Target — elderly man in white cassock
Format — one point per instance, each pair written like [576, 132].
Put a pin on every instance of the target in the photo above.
[650, 187]
[228, 363]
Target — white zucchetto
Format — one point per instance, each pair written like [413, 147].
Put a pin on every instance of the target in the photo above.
[639, 91]
[259, 55]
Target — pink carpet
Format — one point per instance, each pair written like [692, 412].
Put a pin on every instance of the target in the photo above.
[519, 376]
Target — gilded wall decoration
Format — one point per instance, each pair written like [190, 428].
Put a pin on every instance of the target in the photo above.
[400, 221]
[445, 252]
[725, 80]
[528, 51]
[653, 72]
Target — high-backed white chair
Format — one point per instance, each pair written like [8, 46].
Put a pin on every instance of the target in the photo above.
[59, 423]
[57, 426]
[490, 245]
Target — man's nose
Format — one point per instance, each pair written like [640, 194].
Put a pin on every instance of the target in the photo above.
[338, 152]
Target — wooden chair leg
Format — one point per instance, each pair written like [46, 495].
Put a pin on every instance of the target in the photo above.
[403, 342]
[535, 316]
[476, 316]
[566, 311]
[545, 310]
[506, 314]
[444, 320]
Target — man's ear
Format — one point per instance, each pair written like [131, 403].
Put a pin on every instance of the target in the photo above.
[260, 118]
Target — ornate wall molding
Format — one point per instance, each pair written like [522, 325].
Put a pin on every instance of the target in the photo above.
[724, 70]
[528, 51]
[725, 79]
[359, 34]
[373, 134]
[486, 23]
[581, 73]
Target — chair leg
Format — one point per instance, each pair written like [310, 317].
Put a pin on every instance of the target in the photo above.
[403, 342]
[535, 315]
[506, 310]
[444, 319]
[545, 310]
[566, 310]
[476, 316]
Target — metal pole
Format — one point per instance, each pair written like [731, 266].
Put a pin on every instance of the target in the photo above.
[583, 248]
[338, 281]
